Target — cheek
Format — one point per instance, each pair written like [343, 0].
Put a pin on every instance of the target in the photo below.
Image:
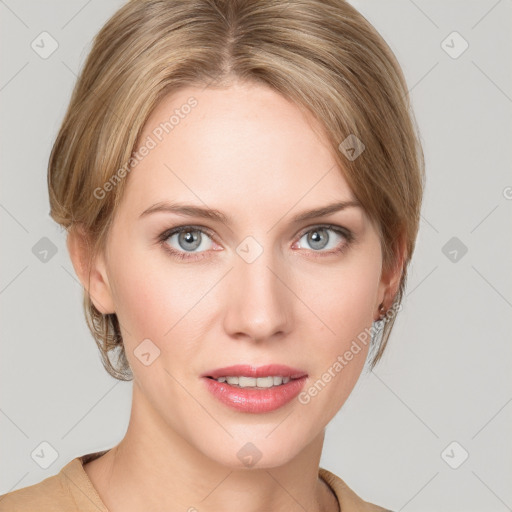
[142, 294]
[344, 301]
[159, 300]
[343, 297]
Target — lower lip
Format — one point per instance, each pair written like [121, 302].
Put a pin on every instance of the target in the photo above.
[255, 400]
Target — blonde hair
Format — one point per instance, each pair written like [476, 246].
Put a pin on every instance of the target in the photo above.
[321, 54]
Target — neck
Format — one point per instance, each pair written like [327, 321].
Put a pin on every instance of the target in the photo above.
[155, 467]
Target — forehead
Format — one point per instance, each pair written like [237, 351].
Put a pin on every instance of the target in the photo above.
[245, 146]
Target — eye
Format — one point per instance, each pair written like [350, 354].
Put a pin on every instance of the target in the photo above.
[318, 238]
[187, 241]
[193, 242]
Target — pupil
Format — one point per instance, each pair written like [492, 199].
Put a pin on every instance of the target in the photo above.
[189, 237]
[317, 237]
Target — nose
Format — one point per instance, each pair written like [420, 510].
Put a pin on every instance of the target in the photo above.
[259, 303]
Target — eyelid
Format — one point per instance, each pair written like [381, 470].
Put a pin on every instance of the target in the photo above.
[345, 232]
[184, 227]
[167, 233]
[338, 229]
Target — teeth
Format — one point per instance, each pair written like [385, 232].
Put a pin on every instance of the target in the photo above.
[259, 382]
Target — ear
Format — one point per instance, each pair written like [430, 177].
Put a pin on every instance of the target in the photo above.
[80, 250]
[390, 279]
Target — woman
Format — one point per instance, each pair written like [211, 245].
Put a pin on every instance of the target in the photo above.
[275, 140]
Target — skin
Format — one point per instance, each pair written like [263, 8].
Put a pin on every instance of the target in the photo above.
[249, 152]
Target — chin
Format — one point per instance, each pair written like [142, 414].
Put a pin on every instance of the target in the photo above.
[255, 452]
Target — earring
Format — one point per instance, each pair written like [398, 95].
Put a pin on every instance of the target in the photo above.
[381, 312]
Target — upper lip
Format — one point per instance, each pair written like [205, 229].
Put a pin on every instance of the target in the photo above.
[247, 370]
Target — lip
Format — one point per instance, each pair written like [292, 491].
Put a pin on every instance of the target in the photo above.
[252, 400]
[247, 370]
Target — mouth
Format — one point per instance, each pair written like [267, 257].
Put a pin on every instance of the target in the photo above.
[262, 377]
[252, 382]
[246, 370]
[256, 390]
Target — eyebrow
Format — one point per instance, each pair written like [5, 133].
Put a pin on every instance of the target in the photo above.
[217, 215]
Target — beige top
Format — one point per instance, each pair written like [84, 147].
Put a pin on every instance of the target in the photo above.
[70, 490]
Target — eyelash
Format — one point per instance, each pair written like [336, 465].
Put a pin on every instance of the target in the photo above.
[345, 233]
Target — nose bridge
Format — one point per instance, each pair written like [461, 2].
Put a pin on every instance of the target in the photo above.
[259, 304]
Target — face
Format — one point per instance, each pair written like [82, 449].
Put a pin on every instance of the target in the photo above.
[258, 287]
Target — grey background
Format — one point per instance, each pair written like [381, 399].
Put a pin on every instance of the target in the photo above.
[446, 374]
